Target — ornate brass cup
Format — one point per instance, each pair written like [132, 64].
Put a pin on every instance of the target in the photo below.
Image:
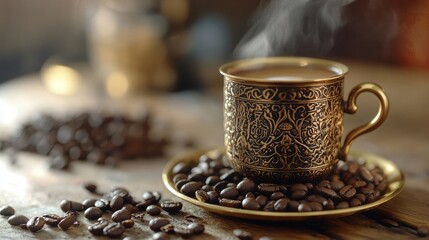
[283, 117]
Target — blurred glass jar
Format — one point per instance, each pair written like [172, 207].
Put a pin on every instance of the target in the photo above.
[127, 49]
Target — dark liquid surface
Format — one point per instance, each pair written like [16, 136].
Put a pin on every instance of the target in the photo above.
[289, 73]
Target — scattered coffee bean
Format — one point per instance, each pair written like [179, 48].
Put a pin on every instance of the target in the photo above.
[67, 205]
[121, 215]
[7, 211]
[35, 224]
[16, 220]
[52, 219]
[116, 203]
[102, 204]
[67, 222]
[242, 235]
[93, 213]
[153, 210]
[160, 236]
[157, 223]
[171, 206]
[97, 228]
[91, 187]
[113, 230]
[87, 203]
[129, 223]
[196, 228]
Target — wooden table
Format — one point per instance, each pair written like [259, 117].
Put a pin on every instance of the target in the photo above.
[33, 190]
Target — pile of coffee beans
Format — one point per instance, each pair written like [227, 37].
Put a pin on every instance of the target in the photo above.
[212, 181]
[113, 213]
[99, 138]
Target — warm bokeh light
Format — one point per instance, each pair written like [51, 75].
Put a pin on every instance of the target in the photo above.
[117, 85]
[61, 79]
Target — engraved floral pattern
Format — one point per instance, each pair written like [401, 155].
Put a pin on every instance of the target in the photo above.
[283, 132]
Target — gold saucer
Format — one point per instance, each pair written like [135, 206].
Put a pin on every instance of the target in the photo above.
[393, 173]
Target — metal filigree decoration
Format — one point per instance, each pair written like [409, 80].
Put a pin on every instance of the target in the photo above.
[285, 133]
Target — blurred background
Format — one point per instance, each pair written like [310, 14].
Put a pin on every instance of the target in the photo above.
[174, 45]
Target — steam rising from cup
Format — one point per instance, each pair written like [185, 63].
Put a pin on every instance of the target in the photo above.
[284, 26]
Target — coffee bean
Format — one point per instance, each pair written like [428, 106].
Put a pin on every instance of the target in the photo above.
[102, 204]
[212, 180]
[281, 205]
[366, 174]
[326, 192]
[298, 194]
[355, 202]
[129, 223]
[67, 205]
[304, 207]
[7, 211]
[229, 193]
[382, 186]
[277, 195]
[197, 177]
[169, 228]
[171, 206]
[196, 228]
[116, 203]
[97, 228]
[143, 205]
[207, 188]
[183, 232]
[131, 208]
[35, 224]
[152, 196]
[179, 176]
[315, 206]
[66, 222]
[189, 188]
[113, 230]
[229, 203]
[324, 183]
[250, 204]
[153, 210]
[347, 192]
[229, 175]
[328, 204]
[156, 223]
[359, 184]
[342, 205]
[316, 198]
[249, 195]
[366, 190]
[160, 236]
[245, 186]
[16, 220]
[121, 215]
[52, 219]
[337, 185]
[87, 203]
[202, 196]
[268, 188]
[182, 168]
[262, 199]
[269, 206]
[242, 235]
[422, 231]
[220, 186]
[213, 197]
[298, 186]
[93, 213]
[23, 226]
[361, 197]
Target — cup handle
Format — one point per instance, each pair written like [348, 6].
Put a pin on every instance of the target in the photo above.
[350, 107]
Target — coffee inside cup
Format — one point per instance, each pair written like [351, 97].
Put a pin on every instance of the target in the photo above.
[286, 73]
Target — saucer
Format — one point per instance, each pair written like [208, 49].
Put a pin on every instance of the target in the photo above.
[394, 175]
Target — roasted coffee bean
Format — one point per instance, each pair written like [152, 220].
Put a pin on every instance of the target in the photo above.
[229, 193]
[207, 188]
[152, 196]
[347, 192]
[315, 206]
[153, 210]
[182, 168]
[361, 197]
[213, 197]
[131, 208]
[277, 195]
[298, 186]
[281, 205]
[35, 224]
[422, 231]
[249, 195]
[67, 222]
[316, 198]
[229, 175]
[116, 203]
[113, 230]
[366, 190]
[268, 188]
[202, 196]
[242, 235]
[179, 176]
[16, 220]
[129, 223]
[269, 207]
[102, 204]
[342, 205]
[121, 215]
[212, 180]
[359, 184]
[250, 204]
[245, 186]
[229, 203]
[196, 228]
[97, 228]
[197, 177]
[160, 236]
[262, 199]
[23, 226]
[184, 232]
[328, 204]
[304, 207]
[366, 174]
[231, 185]
[157, 223]
[52, 219]
[91, 187]
[324, 183]
[143, 205]
[189, 188]
[337, 185]
[355, 202]
[298, 194]
[93, 213]
[67, 205]
[7, 211]
[382, 186]
[220, 186]
[169, 228]
[171, 206]
[326, 192]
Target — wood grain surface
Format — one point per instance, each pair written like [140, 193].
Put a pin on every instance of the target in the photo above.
[32, 189]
